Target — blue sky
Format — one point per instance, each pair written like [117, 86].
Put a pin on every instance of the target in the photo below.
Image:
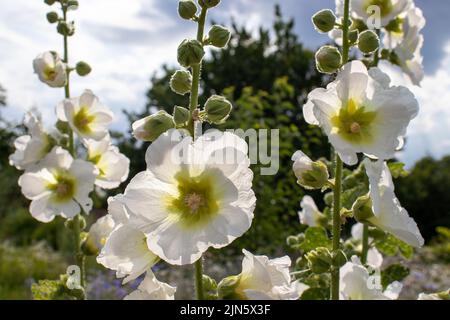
[127, 41]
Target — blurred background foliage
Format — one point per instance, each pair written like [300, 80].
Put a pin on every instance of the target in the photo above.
[267, 78]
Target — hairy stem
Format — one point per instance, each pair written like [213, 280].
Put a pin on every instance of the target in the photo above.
[199, 279]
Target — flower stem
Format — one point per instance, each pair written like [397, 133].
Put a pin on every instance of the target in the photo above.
[199, 279]
[365, 244]
[79, 256]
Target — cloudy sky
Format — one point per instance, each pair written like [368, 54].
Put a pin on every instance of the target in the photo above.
[127, 41]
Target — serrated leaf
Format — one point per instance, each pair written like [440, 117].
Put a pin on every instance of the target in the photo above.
[395, 272]
[315, 237]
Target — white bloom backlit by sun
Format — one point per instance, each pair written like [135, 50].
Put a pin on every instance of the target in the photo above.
[50, 69]
[152, 289]
[309, 215]
[388, 9]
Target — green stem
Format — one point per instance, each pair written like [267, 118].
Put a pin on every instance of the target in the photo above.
[345, 28]
[365, 244]
[376, 57]
[199, 279]
[79, 256]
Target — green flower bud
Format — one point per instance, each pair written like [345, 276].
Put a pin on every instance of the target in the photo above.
[292, 241]
[395, 25]
[227, 288]
[151, 127]
[187, 9]
[339, 258]
[217, 109]
[208, 3]
[319, 260]
[89, 248]
[219, 36]
[83, 69]
[362, 208]
[72, 4]
[190, 53]
[70, 223]
[324, 20]
[49, 2]
[52, 17]
[180, 115]
[181, 82]
[65, 28]
[353, 37]
[328, 59]
[310, 174]
[368, 41]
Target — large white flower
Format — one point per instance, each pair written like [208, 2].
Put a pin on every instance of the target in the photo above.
[31, 148]
[374, 257]
[356, 283]
[309, 215]
[389, 9]
[112, 165]
[60, 187]
[389, 215]
[50, 69]
[265, 279]
[100, 231]
[86, 115]
[125, 249]
[193, 195]
[152, 289]
[360, 112]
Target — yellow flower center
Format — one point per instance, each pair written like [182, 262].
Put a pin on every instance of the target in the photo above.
[82, 120]
[384, 5]
[354, 123]
[64, 188]
[194, 201]
[49, 73]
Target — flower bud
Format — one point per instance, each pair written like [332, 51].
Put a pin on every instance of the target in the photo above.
[180, 115]
[293, 241]
[52, 17]
[181, 82]
[362, 208]
[208, 3]
[328, 59]
[227, 288]
[72, 5]
[319, 260]
[187, 9]
[49, 2]
[70, 223]
[190, 53]
[65, 28]
[217, 109]
[310, 175]
[151, 127]
[219, 36]
[324, 20]
[83, 69]
[353, 37]
[368, 41]
[339, 258]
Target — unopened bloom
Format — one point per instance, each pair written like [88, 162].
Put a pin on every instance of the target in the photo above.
[113, 166]
[86, 115]
[309, 215]
[389, 215]
[360, 112]
[261, 279]
[152, 289]
[60, 187]
[357, 284]
[50, 69]
[33, 147]
[199, 193]
[125, 249]
[310, 174]
[151, 127]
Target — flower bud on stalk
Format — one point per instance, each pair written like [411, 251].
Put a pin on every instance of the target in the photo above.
[52, 17]
[310, 174]
[227, 287]
[324, 20]
[362, 209]
[368, 42]
[83, 69]
[219, 36]
[187, 9]
[50, 2]
[328, 59]
[217, 109]
[190, 53]
[181, 82]
[151, 127]
[180, 115]
[72, 5]
[319, 260]
[66, 28]
[208, 3]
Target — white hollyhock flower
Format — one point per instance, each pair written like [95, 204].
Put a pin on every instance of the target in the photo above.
[31, 148]
[389, 9]
[152, 289]
[125, 249]
[100, 231]
[112, 165]
[309, 215]
[266, 279]
[360, 112]
[86, 115]
[199, 193]
[60, 187]
[374, 257]
[356, 283]
[50, 69]
[389, 215]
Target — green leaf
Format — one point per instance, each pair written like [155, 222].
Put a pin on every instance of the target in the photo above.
[315, 294]
[397, 169]
[315, 237]
[349, 196]
[395, 272]
[390, 246]
[55, 290]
